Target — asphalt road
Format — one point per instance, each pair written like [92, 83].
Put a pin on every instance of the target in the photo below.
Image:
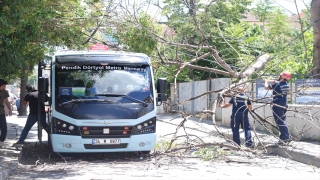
[195, 163]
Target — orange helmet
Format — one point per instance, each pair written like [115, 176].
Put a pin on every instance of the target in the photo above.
[286, 75]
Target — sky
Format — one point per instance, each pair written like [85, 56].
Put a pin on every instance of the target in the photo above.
[289, 6]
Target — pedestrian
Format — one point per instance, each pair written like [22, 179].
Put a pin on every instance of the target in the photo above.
[3, 121]
[11, 99]
[32, 99]
[240, 106]
[18, 104]
[6, 108]
[279, 108]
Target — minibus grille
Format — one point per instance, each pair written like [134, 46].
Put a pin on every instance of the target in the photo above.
[105, 131]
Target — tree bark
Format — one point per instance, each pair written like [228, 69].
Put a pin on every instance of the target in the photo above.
[315, 18]
[23, 93]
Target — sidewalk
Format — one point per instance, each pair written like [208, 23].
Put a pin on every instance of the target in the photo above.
[10, 157]
[305, 152]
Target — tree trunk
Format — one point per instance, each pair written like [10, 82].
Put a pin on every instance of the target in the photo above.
[315, 15]
[23, 93]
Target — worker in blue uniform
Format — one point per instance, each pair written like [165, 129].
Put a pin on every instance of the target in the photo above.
[280, 90]
[240, 106]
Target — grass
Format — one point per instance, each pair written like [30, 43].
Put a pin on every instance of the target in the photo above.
[164, 145]
[211, 153]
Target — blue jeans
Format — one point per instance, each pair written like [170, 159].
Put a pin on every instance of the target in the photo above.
[279, 115]
[18, 104]
[31, 120]
[3, 127]
[236, 120]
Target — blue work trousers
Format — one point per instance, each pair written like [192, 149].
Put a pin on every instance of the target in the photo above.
[279, 115]
[3, 127]
[31, 120]
[236, 120]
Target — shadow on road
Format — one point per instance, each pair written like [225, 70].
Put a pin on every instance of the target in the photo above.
[35, 153]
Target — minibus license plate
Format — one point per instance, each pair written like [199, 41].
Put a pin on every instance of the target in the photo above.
[105, 141]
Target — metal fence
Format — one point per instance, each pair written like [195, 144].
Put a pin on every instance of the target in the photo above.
[303, 89]
[181, 96]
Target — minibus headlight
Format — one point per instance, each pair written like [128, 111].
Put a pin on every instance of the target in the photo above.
[145, 127]
[62, 127]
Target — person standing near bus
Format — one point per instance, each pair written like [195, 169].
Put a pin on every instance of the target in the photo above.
[240, 106]
[32, 99]
[6, 108]
[280, 90]
[18, 103]
[3, 121]
[11, 101]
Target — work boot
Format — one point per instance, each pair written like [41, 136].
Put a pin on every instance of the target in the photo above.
[249, 145]
[18, 143]
[284, 142]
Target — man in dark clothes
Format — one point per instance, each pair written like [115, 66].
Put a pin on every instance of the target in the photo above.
[3, 121]
[32, 99]
[280, 90]
[240, 106]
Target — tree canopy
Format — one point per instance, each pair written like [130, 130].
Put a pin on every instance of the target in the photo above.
[209, 37]
[29, 28]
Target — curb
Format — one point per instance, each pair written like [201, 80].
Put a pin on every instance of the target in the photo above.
[295, 155]
[288, 152]
[283, 151]
[22, 116]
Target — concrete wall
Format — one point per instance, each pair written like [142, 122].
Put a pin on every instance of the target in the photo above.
[180, 96]
[189, 90]
[299, 117]
[303, 121]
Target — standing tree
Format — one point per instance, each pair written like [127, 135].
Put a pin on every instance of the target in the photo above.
[315, 19]
[210, 41]
[30, 28]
